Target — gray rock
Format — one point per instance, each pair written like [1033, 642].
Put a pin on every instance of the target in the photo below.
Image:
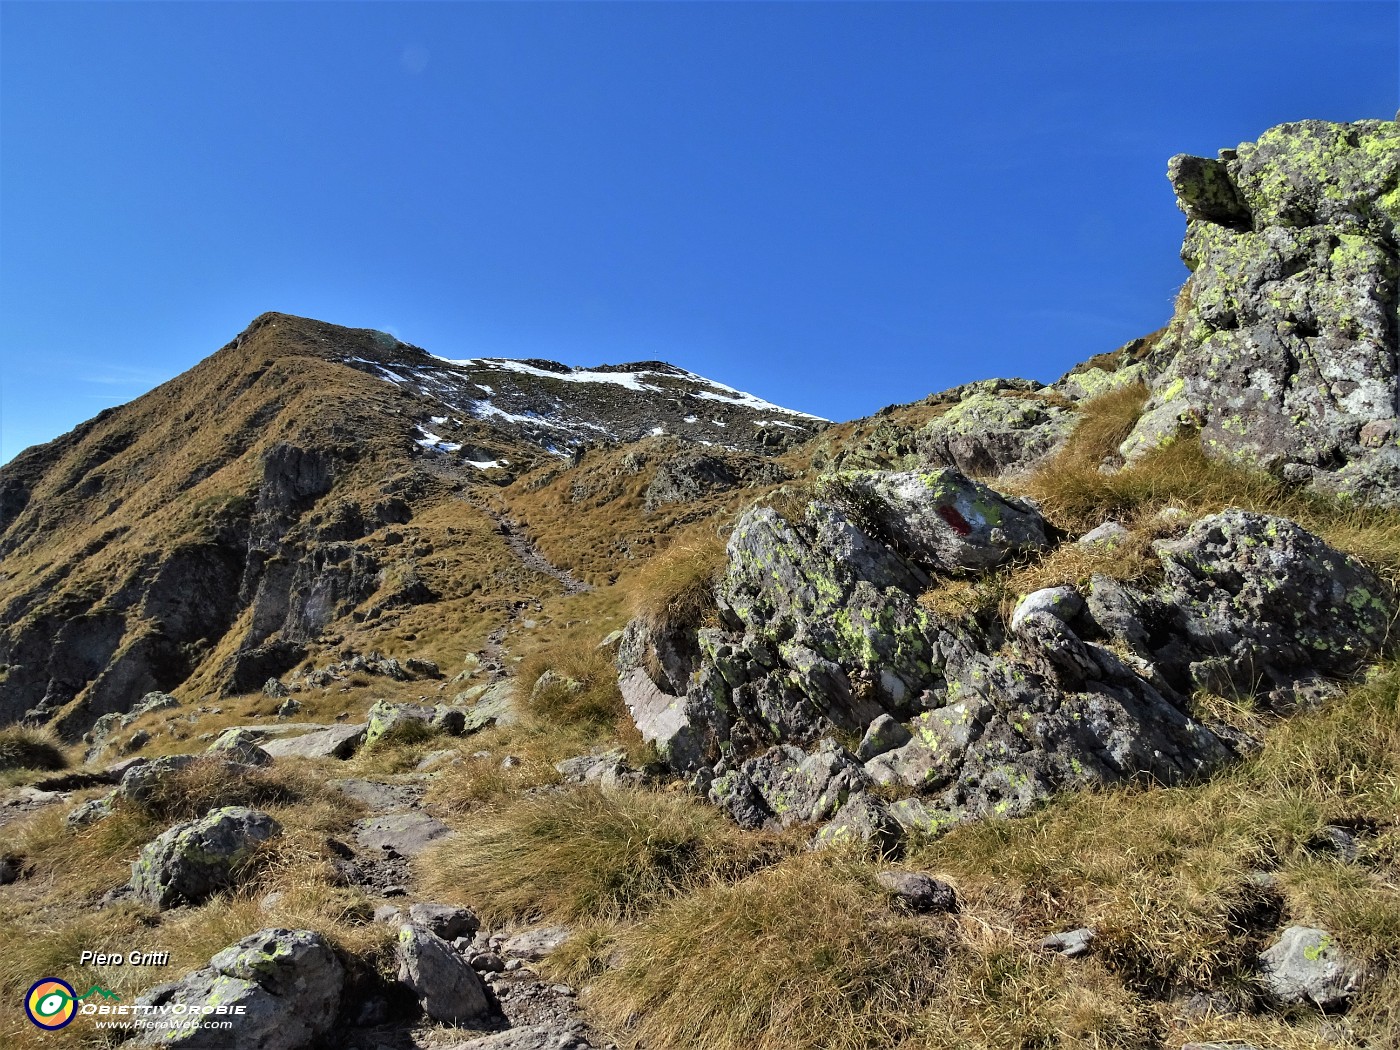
[883, 734]
[864, 823]
[288, 984]
[274, 688]
[9, 870]
[91, 811]
[190, 862]
[786, 785]
[140, 782]
[1258, 600]
[447, 988]
[919, 891]
[402, 834]
[289, 707]
[987, 434]
[385, 717]
[944, 520]
[445, 920]
[1071, 944]
[1063, 603]
[487, 962]
[378, 796]
[1108, 535]
[236, 745]
[527, 1037]
[1308, 964]
[332, 741]
[389, 914]
[535, 944]
[1283, 348]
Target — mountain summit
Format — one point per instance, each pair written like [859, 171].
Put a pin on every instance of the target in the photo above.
[214, 526]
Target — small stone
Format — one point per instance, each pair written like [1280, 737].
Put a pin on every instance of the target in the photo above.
[444, 920]
[1338, 840]
[919, 891]
[1063, 603]
[1072, 944]
[396, 891]
[9, 870]
[489, 962]
[1106, 536]
[1309, 964]
[388, 913]
[514, 964]
[510, 762]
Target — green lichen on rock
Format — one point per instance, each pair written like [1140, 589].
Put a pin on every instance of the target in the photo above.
[1284, 344]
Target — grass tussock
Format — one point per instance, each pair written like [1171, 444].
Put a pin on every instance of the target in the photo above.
[195, 789]
[22, 748]
[571, 685]
[804, 954]
[589, 854]
[676, 589]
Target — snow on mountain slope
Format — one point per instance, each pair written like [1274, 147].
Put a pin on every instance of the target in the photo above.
[559, 408]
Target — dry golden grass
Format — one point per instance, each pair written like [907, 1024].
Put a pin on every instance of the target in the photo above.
[582, 689]
[590, 854]
[676, 589]
[22, 748]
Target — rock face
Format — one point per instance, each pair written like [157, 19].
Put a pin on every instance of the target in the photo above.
[280, 988]
[192, 861]
[822, 636]
[1283, 349]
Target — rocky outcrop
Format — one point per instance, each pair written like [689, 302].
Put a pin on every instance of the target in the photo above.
[822, 636]
[281, 989]
[1283, 350]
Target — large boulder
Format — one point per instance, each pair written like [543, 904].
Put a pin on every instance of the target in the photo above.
[997, 432]
[447, 987]
[281, 989]
[1283, 350]
[335, 741]
[190, 862]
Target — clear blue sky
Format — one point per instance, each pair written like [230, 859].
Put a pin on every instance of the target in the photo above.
[835, 206]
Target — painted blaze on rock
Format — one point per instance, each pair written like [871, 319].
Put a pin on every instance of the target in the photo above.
[821, 631]
[822, 638]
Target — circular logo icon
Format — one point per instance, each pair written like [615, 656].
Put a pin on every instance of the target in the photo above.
[51, 1003]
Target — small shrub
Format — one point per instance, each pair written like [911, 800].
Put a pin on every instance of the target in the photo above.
[581, 690]
[586, 853]
[24, 748]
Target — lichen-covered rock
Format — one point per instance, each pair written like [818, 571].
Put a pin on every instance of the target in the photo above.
[996, 433]
[943, 520]
[281, 989]
[1257, 599]
[447, 987]
[190, 862]
[785, 785]
[333, 741]
[1309, 965]
[238, 745]
[863, 823]
[1283, 351]
[386, 717]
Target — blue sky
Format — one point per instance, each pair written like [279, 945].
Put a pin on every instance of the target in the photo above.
[835, 206]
